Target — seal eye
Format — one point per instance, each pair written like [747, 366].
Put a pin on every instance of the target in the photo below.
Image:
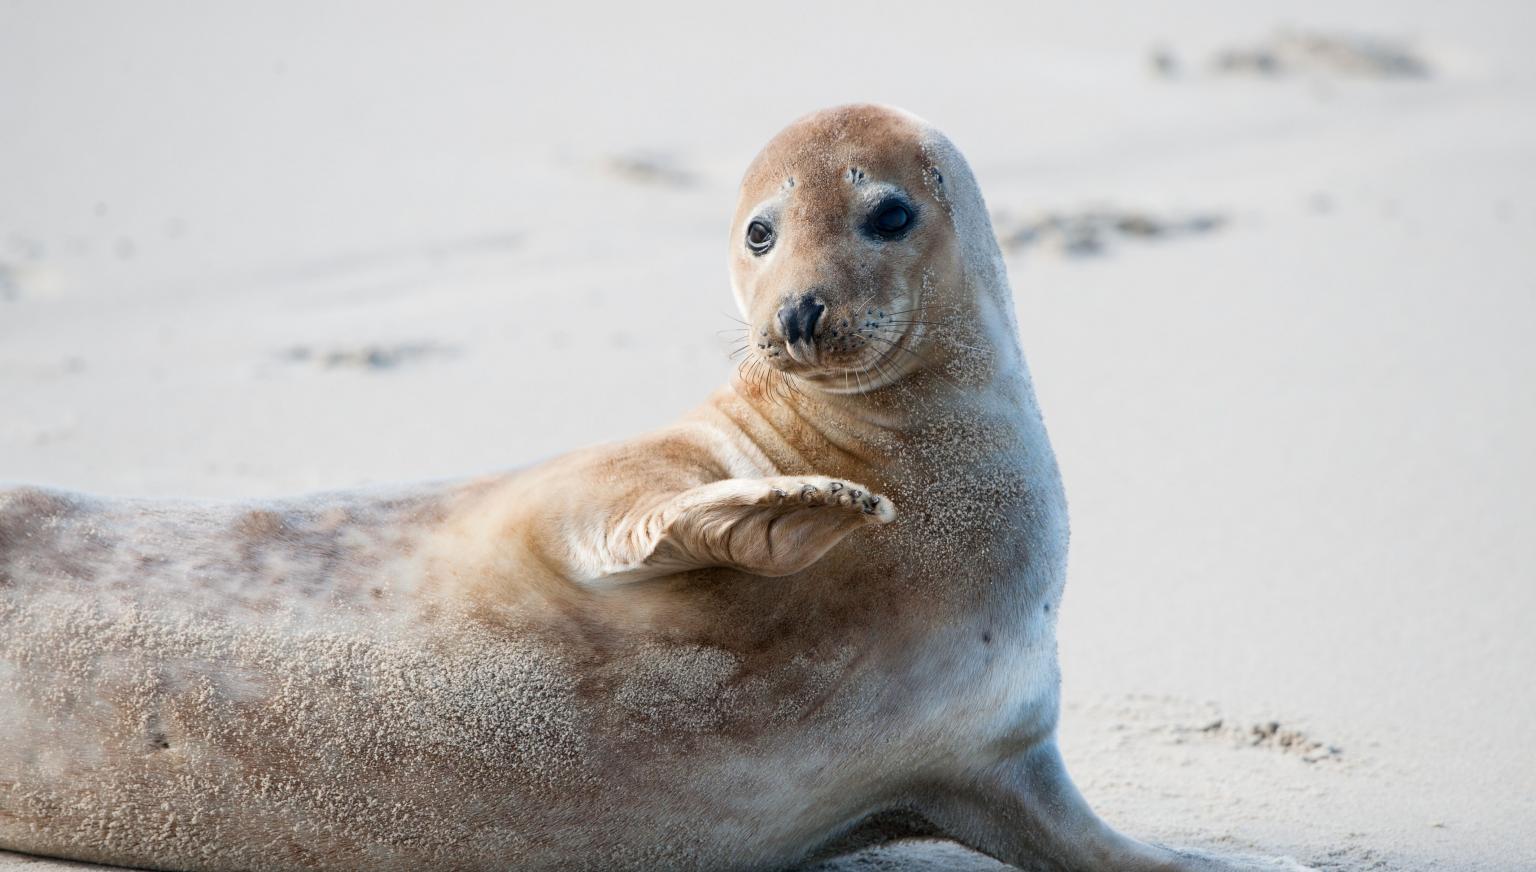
[759, 237]
[891, 218]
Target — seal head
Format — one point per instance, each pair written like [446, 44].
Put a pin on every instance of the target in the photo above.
[843, 243]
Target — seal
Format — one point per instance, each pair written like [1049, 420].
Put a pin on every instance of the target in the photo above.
[818, 612]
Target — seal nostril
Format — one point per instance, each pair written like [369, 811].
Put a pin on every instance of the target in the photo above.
[798, 319]
[810, 313]
[789, 324]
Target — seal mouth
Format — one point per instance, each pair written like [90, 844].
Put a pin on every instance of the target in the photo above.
[889, 364]
[806, 354]
[843, 351]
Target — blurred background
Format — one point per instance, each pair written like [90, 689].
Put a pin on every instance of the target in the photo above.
[1274, 264]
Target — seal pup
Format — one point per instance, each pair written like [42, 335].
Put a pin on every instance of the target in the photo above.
[818, 611]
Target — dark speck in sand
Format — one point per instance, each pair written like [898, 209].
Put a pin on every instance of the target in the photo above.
[651, 169]
[1094, 231]
[1288, 53]
[372, 357]
[1270, 735]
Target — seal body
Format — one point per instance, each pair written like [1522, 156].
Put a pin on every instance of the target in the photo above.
[335, 683]
[822, 603]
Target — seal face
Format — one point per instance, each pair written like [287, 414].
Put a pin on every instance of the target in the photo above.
[844, 234]
[818, 611]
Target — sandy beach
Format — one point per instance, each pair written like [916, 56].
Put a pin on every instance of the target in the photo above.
[1274, 271]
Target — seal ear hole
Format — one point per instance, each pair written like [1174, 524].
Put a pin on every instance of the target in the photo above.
[759, 237]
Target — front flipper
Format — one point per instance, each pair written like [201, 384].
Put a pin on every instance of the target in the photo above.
[765, 526]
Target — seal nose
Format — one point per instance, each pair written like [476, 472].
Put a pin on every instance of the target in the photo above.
[798, 319]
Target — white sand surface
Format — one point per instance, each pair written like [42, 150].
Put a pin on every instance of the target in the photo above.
[254, 249]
